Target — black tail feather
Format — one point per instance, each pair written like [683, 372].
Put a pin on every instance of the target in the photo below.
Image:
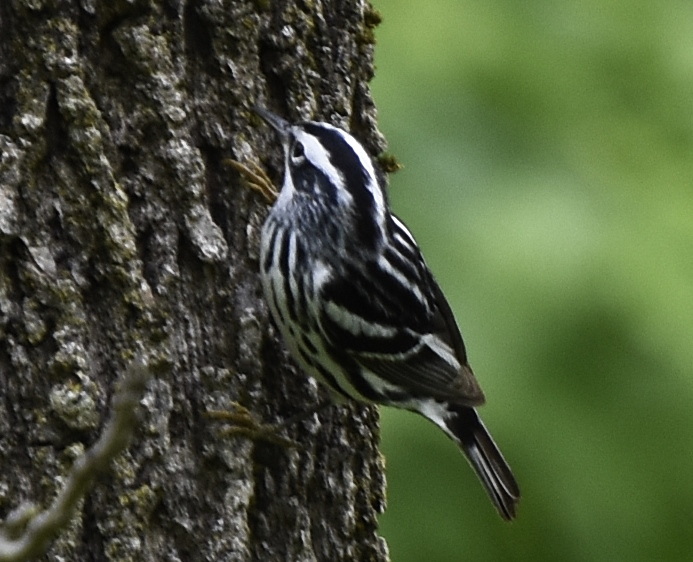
[467, 430]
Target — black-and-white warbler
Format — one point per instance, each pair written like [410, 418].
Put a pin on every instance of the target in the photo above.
[355, 302]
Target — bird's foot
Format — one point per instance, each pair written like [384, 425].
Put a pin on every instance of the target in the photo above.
[254, 177]
[242, 423]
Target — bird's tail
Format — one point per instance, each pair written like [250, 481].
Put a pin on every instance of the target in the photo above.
[464, 426]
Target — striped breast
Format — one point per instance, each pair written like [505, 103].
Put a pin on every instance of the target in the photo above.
[291, 282]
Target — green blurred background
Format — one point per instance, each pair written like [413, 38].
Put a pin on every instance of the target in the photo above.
[548, 152]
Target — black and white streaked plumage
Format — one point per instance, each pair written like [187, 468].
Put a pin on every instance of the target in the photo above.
[355, 302]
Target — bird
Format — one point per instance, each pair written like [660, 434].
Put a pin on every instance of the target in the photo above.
[356, 304]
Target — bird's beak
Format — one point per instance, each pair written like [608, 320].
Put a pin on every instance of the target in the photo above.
[282, 126]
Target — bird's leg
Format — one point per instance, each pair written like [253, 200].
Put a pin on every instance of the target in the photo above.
[255, 177]
[242, 423]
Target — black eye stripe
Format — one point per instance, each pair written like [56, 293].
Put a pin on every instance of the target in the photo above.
[298, 150]
[344, 158]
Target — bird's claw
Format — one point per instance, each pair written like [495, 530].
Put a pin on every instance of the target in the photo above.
[255, 177]
[242, 423]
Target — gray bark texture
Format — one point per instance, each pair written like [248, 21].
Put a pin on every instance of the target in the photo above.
[123, 235]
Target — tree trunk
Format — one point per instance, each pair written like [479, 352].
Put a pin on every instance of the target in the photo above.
[123, 234]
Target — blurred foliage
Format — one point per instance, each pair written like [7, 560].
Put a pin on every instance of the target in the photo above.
[548, 153]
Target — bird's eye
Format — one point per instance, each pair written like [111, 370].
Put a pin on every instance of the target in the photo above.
[298, 153]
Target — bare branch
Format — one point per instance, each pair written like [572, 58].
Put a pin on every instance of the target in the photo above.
[44, 526]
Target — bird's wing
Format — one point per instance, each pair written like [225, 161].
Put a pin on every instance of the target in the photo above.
[390, 316]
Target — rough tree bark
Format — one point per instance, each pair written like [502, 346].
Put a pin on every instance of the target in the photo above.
[122, 233]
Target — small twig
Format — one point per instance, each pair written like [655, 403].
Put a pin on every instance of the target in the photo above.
[44, 526]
